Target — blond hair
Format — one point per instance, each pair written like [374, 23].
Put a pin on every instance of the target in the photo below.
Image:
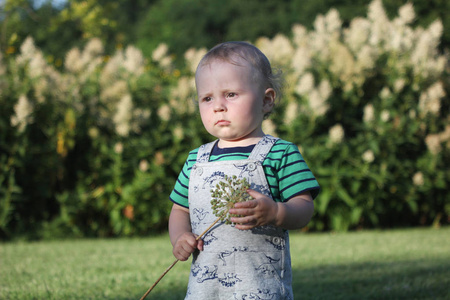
[231, 51]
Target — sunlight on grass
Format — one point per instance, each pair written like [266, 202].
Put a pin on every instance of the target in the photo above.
[407, 264]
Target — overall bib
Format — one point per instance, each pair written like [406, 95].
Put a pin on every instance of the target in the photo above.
[235, 264]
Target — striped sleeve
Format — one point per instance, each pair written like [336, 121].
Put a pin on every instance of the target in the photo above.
[180, 191]
[287, 173]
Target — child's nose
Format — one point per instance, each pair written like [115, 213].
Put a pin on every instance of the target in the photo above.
[220, 104]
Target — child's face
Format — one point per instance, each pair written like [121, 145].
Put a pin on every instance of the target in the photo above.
[232, 103]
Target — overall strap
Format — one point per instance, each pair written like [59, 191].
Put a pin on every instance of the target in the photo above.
[204, 152]
[262, 148]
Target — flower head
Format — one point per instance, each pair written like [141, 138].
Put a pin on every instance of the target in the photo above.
[418, 179]
[226, 194]
[23, 113]
[336, 134]
[368, 156]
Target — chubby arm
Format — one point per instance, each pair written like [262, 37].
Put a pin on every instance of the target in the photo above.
[183, 240]
[262, 210]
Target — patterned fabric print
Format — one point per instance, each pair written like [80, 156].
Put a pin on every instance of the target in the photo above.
[236, 264]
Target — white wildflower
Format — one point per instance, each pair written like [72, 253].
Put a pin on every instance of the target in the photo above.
[365, 59]
[134, 61]
[112, 70]
[185, 88]
[291, 112]
[325, 89]
[385, 115]
[164, 112]
[143, 165]
[84, 62]
[32, 57]
[94, 47]
[421, 53]
[123, 115]
[424, 57]
[336, 134]
[166, 62]
[305, 84]
[37, 65]
[368, 156]
[301, 60]
[376, 11]
[385, 93]
[300, 35]
[93, 132]
[430, 100]
[433, 143]
[41, 86]
[319, 24]
[160, 52]
[178, 132]
[115, 91]
[317, 103]
[27, 51]
[436, 29]
[401, 38]
[118, 148]
[380, 22]
[445, 135]
[193, 57]
[418, 179]
[320, 39]
[28, 48]
[22, 113]
[399, 84]
[357, 34]
[333, 21]
[343, 63]
[406, 13]
[278, 50]
[368, 113]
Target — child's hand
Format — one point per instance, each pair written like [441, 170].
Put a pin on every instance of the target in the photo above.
[258, 212]
[185, 245]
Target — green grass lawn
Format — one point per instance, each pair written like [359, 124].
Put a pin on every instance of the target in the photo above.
[396, 264]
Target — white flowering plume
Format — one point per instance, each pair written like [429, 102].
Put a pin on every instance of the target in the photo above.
[331, 56]
[23, 111]
[336, 134]
[113, 76]
[316, 63]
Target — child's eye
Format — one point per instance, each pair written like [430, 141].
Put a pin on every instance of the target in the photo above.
[206, 99]
[231, 95]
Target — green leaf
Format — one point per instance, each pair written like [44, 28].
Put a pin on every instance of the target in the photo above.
[344, 196]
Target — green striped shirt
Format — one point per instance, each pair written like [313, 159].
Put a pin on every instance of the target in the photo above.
[286, 171]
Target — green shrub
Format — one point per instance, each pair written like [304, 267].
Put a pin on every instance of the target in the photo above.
[94, 148]
[368, 105]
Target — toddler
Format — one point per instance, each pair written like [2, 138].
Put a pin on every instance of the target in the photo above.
[237, 90]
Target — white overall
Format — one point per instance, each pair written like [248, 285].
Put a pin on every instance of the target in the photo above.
[236, 264]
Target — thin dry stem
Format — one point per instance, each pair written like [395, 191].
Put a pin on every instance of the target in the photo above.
[175, 262]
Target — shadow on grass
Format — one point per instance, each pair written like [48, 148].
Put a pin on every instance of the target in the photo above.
[176, 293]
[427, 279]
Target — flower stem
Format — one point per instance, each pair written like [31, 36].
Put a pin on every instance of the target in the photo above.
[175, 262]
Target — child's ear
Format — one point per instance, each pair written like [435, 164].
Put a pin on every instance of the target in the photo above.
[269, 100]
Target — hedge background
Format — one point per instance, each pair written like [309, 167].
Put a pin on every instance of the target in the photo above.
[90, 146]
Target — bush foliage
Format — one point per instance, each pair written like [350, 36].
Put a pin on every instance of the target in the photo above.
[94, 148]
